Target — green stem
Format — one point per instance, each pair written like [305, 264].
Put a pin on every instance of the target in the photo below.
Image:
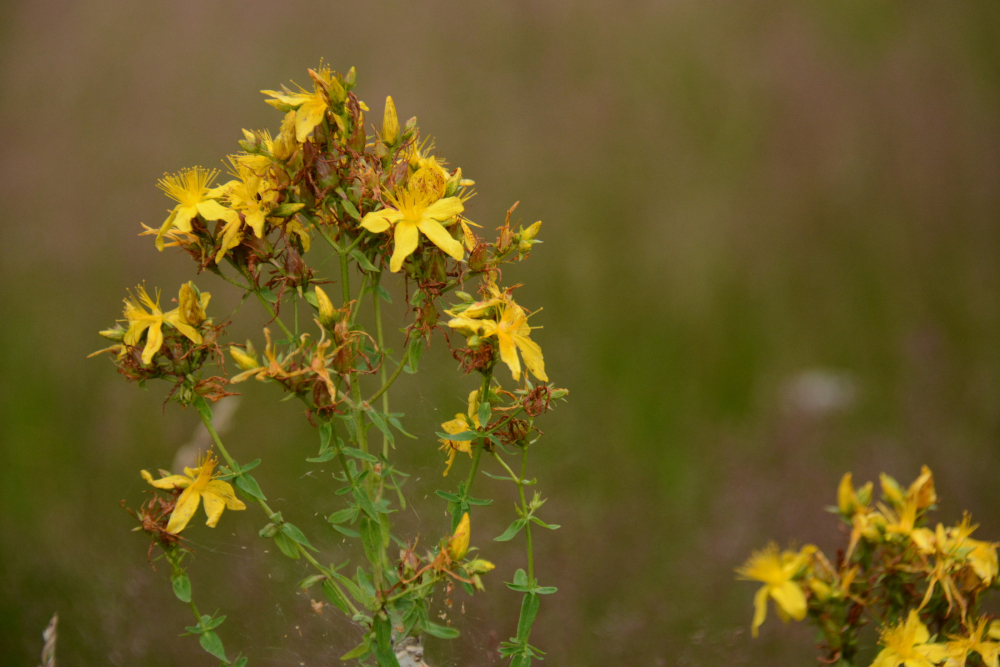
[524, 508]
[524, 503]
[476, 455]
[206, 420]
[274, 316]
[387, 384]
[408, 591]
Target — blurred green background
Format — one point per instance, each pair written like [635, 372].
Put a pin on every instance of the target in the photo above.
[771, 242]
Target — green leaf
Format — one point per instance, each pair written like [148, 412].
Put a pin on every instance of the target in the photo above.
[448, 496]
[346, 531]
[381, 291]
[350, 209]
[484, 413]
[296, 534]
[268, 294]
[182, 587]
[333, 596]
[358, 454]
[325, 433]
[464, 436]
[360, 650]
[242, 662]
[250, 466]
[529, 609]
[248, 485]
[365, 503]
[512, 530]
[521, 577]
[399, 427]
[413, 354]
[286, 545]
[285, 210]
[344, 515]
[383, 633]
[371, 537]
[308, 582]
[363, 261]
[482, 502]
[550, 526]
[378, 419]
[213, 623]
[213, 645]
[313, 301]
[324, 457]
[546, 590]
[440, 631]
[353, 589]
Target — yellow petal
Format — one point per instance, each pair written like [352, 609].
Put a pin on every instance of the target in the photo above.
[165, 227]
[187, 505]
[379, 221]
[170, 482]
[231, 237]
[443, 210]
[213, 210]
[790, 598]
[214, 506]
[440, 237]
[508, 354]
[407, 238]
[759, 609]
[224, 490]
[308, 116]
[185, 214]
[532, 355]
[154, 340]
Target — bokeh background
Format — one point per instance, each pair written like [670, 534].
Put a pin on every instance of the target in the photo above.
[771, 242]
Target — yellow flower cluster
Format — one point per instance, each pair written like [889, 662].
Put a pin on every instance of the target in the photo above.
[893, 563]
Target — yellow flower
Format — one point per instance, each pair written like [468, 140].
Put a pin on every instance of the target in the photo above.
[906, 644]
[960, 647]
[190, 189]
[198, 484]
[776, 571]
[251, 195]
[310, 108]
[418, 208]
[458, 545]
[151, 322]
[510, 328]
[460, 424]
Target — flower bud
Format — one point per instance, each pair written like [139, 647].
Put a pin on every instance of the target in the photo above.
[465, 296]
[351, 78]
[479, 566]
[269, 531]
[390, 123]
[327, 313]
[116, 334]
[921, 492]
[285, 143]
[847, 499]
[409, 128]
[458, 545]
[891, 490]
[244, 360]
[191, 308]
